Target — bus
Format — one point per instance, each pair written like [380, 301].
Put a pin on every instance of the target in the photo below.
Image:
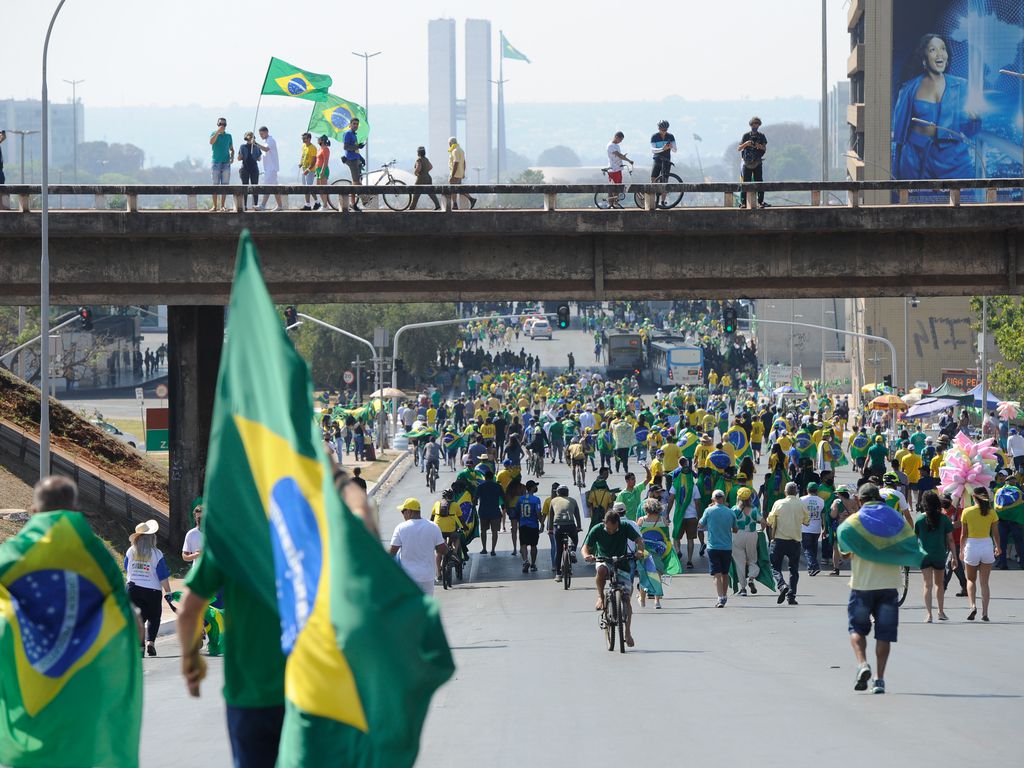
[623, 353]
[671, 364]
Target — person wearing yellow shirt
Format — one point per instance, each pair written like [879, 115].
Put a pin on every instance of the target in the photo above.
[445, 515]
[702, 451]
[708, 423]
[488, 431]
[756, 438]
[910, 465]
[672, 453]
[654, 441]
[726, 381]
[712, 380]
[657, 468]
[785, 442]
[694, 417]
[431, 416]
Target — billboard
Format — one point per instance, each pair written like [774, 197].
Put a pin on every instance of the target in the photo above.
[955, 115]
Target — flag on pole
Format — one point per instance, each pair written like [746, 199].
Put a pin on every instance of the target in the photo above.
[509, 52]
[332, 115]
[284, 79]
[70, 670]
[696, 137]
[364, 646]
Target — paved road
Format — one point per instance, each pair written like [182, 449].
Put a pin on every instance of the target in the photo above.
[755, 683]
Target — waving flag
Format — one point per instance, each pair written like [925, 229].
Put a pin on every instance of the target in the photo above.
[283, 79]
[880, 534]
[659, 545]
[332, 114]
[1009, 504]
[70, 670]
[509, 52]
[364, 646]
[688, 442]
[737, 436]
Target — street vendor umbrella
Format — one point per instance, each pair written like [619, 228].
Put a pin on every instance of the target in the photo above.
[887, 403]
[388, 392]
[931, 405]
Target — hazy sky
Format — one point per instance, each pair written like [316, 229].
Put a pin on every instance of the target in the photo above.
[137, 52]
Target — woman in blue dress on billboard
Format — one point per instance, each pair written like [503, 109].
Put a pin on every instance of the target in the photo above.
[930, 120]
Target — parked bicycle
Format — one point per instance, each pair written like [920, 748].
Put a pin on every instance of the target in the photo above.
[397, 201]
[663, 200]
[616, 604]
[601, 199]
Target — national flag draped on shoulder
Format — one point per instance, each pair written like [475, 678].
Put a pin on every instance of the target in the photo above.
[70, 669]
[284, 79]
[364, 646]
[510, 52]
[332, 114]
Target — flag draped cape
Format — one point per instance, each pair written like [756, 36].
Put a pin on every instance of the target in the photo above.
[880, 534]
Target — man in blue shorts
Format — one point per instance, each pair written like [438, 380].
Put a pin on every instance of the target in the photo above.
[720, 523]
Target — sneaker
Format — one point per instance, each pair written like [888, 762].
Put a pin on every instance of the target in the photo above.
[863, 675]
[814, 572]
[782, 595]
[316, 206]
[743, 593]
[472, 203]
[720, 603]
[526, 567]
[878, 687]
[792, 601]
[306, 208]
[533, 568]
[768, 205]
[261, 207]
[703, 549]
[750, 585]
[558, 578]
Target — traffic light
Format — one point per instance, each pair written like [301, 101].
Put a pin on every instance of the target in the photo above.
[563, 316]
[85, 318]
[291, 317]
[729, 320]
[887, 380]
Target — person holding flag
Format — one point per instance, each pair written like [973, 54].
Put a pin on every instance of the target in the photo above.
[879, 540]
[657, 542]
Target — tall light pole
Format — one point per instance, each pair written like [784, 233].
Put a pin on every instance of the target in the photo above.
[22, 135]
[44, 272]
[824, 90]
[74, 115]
[366, 56]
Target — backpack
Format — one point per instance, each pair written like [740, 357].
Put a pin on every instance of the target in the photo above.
[444, 509]
[564, 516]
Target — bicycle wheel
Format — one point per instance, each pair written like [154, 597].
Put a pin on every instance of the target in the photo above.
[566, 567]
[906, 584]
[431, 480]
[459, 565]
[620, 611]
[398, 200]
[601, 200]
[338, 183]
[671, 199]
[446, 573]
[609, 621]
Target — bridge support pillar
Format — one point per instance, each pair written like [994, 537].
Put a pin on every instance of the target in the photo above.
[195, 336]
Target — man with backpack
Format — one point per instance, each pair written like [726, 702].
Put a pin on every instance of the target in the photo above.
[564, 523]
[752, 147]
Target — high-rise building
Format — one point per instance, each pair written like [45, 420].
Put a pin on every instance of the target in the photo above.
[445, 110]
[26, 115]
[838, 129]
[440, 88]
[478, 98]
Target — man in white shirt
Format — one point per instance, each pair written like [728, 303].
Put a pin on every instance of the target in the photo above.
[810, 532]
[587, 420]
[271, 166]
[1015, 445]
[615, 159]
[419, 545]
[193, 544]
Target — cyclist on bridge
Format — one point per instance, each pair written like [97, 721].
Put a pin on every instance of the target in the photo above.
[663, 144]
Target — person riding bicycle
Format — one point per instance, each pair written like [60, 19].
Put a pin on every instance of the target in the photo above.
[577, 456]
[615, 160]
[894, 497]
[445, 515]
[610, 539]
[432, 456]
[536, 447]
[663, 144]
[564, 522]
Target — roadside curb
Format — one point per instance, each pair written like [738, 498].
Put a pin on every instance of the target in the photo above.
[386, 475]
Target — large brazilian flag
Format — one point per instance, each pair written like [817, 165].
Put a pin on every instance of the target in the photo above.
[364, 646]
[284, 79]
[880, 534]
[70, 668]
[332, 114]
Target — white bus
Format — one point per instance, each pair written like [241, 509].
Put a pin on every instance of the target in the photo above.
[671, 364]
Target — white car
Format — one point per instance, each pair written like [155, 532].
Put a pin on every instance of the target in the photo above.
[539, 328]
[124, 437]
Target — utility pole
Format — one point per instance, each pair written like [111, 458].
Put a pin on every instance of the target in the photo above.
[74, 114]
[366, 56]
[358, 365]
[500, 82]
[984, 360]
[824, 90]
[22, 135]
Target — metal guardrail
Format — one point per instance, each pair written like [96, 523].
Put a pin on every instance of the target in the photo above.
[819, 191]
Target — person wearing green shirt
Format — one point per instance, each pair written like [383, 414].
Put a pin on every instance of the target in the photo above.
[918, 439]
[608, 539]
[556, 434]
[633, 493]
[878, 457]
[223, 152]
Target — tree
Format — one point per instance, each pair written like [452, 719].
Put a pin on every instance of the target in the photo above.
[1006, 322]
[98, 157]
[559, 156]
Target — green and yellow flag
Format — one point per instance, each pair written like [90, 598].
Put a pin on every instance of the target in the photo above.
[509, 52]
[364, 646]
[332, 115]
[70, 668]
[283, 79]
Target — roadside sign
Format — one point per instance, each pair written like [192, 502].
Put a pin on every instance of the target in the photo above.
[157, 429]
[381, 337]
[138, 394]
[348, 377]
[161, 391]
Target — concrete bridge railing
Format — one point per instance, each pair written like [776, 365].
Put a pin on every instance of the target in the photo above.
[850, 193]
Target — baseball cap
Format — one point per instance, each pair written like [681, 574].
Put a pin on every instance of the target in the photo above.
[890, 477]
[413, 505]
[812, 487]
[879, 439]
[743, 494]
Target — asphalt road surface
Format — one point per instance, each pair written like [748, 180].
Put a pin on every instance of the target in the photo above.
[753, 684]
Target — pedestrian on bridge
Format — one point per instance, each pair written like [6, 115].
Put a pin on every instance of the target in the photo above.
[421, 170]
[223, 150]
[271, 166]
[457, 170]
[752, 148]
[249, 172]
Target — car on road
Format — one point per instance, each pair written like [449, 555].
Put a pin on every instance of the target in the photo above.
[539, 328]
[124, 437]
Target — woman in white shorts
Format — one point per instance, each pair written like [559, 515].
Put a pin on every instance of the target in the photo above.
[979, 544]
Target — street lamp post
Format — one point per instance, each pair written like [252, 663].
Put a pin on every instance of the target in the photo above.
[44, 271]
[74, 116]
[22, 135]
[366, 56]
[824, 91]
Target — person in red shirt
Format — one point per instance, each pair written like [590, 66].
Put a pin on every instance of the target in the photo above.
[951, 511]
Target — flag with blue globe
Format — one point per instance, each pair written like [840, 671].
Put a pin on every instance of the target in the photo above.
[284, 79]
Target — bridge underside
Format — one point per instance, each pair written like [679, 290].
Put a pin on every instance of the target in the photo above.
[187, 258]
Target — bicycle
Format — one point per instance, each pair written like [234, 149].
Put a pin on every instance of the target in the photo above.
[665, 200]
[906, 583]
[451, 561]
[579, 474]
[396, 201]
[601, 199]
[567, 557]
[616, 606]
[432, 474]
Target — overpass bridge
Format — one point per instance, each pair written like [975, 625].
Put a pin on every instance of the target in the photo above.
[845, 240]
